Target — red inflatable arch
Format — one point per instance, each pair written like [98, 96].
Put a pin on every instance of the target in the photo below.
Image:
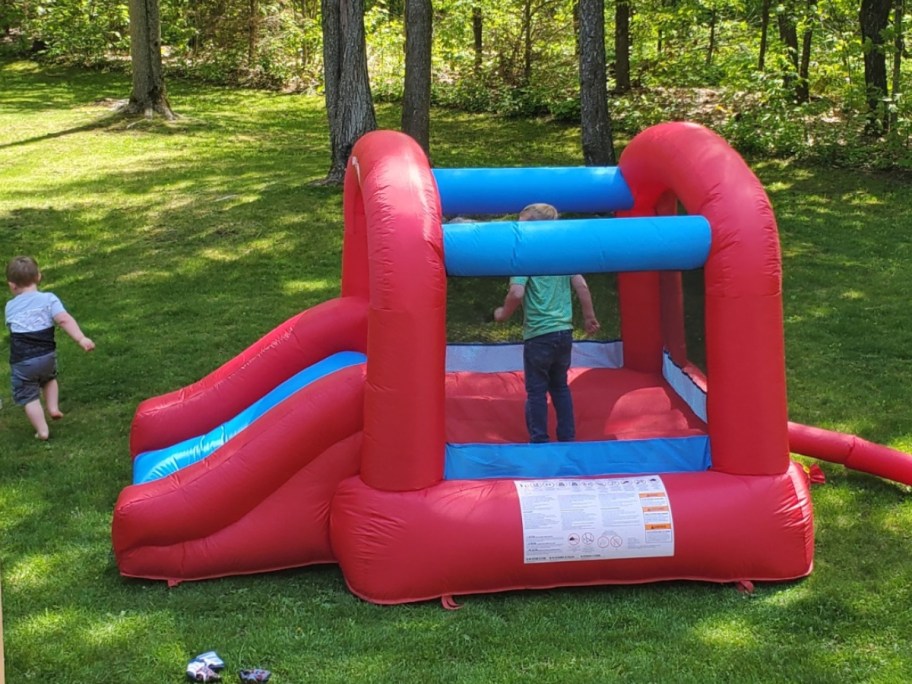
[403, 533]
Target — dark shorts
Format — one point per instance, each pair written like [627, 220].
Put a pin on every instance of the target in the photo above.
[31, 375]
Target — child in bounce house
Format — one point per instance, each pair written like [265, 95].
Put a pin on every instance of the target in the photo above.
[30, 317]
[547, 337]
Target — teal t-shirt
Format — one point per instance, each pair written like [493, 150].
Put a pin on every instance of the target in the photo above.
[547, 306]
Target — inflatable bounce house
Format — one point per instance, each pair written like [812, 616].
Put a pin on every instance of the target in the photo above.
[355, 434]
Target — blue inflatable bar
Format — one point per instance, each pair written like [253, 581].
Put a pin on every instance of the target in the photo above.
[583, 189]
[506, 248]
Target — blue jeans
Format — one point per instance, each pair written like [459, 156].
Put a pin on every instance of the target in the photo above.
[546, 360]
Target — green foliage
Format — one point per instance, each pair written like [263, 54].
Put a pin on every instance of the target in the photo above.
[177, 245]
[527, 64]
[226, 44]
[84, 32]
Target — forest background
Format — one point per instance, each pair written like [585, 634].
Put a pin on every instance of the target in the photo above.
[821, 81]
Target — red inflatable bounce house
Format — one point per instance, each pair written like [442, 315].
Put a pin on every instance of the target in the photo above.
[353, 433]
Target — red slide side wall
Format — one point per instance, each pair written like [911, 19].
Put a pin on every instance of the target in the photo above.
[746, 404]
[333, 326]
[259, 503]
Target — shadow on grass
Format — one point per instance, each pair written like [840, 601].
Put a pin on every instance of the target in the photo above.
[30, 87]
[105, 123]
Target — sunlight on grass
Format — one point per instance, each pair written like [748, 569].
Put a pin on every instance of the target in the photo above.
[109, 630]
[293, 287]
[39, 571]
[728, 634]
[899, 518]
[791, 596]
[853, 294]
[48, 627]
[861, 198]
[224, 255]
[143, 275]
[16, 506]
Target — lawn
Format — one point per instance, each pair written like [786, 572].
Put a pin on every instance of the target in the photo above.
[178, 245]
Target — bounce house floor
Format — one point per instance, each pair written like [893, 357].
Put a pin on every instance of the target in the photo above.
[609, 403]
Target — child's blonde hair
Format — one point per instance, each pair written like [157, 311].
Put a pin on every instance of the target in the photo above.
[23, 271]
[538, 212]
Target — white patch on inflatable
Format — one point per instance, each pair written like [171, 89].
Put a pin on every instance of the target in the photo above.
[595, 519]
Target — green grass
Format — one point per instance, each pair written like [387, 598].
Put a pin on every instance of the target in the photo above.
[177, 245]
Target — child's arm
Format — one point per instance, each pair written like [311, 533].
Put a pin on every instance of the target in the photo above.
[69, 325]
[585, 297]
[512, 301]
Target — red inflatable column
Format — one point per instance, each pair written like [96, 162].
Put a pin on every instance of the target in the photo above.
[641, 324]
[746, 402]
[639, 298]
[402, 243]
[354, 253]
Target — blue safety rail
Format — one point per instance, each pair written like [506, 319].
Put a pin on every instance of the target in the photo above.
[583, 189]
[577, 459]
[152, 465]
[564, 247]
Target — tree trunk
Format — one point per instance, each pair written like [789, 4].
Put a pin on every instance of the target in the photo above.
[873, 18]
[349, 105]
[898, 11]
[621, 46]
[527, 42]
[253, 31]
[803, 87]
[712, 37]
[598, 144]
[764, 33]
[149, 96]
[478, 37]
[576, 30]
[416, 100]
[788, 33]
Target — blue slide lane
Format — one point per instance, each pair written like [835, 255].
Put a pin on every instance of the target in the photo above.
[152, 465]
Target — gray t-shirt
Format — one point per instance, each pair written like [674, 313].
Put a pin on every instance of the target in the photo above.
[30, 319]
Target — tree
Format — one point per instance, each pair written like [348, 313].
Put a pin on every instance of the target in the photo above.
[253, 31]
[416, 100]
[803, 87]
[477, 37]
[598, 145]
[528, 14]
[622, 46]
[764, 33]
[349, 105]
[788, 34]
[898, 11]
[149, 96]
[873, 18]
[713, 19]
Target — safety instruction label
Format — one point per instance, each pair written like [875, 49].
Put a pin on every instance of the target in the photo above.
[602, 518]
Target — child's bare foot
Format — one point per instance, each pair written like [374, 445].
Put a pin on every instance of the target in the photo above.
[43, 436]
[55, 415]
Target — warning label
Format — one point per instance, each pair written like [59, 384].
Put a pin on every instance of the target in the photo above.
[598, 519]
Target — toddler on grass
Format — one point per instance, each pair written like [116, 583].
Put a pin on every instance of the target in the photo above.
[30, 317]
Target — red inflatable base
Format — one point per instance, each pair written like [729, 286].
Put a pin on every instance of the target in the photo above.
[466, 537]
